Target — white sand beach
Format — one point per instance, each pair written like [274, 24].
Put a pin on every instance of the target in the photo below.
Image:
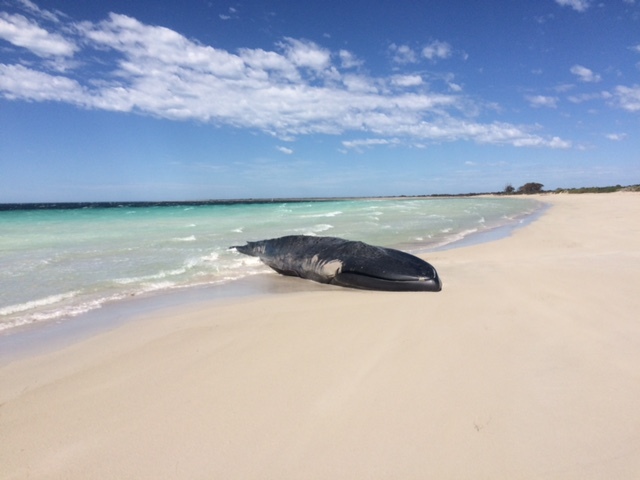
[525, 366]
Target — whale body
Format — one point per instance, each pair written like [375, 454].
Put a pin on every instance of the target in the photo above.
[345, 263]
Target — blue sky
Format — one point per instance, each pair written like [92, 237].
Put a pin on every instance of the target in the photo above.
[165, 100]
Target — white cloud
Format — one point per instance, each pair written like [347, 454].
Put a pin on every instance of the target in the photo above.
[349, 60]
[586, 97]
[403, 54]
[555, 142]
[635, 48]
[359, 83]
[285, 150]
[272, 64]
[616, 137]
[577, 5]
[149, 46]
[18, 82]
[362, 144]
[41, 13]
[584, 74]
[231, 14]
[406, 80]
[437, 49]
[306, 54]
[542, 101]
[628, 98]
[367, 142]
[25, 33]
[293, 90]
[563, 88]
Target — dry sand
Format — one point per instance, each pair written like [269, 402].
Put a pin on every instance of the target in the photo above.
[526, 366]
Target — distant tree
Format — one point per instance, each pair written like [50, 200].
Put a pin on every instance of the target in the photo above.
[508, 189]
[529, 188]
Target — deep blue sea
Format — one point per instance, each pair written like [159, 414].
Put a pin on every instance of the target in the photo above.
[57, 263]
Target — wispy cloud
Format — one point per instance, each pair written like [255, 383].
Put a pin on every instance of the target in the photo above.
[627, 98]
[542, 101]
[369, 142]
[587, 97]
[349, 60]
[285, 150]
[616, 137]
[402, 54]
[584, 74]
[232, 13]
[25, 33]
[306, 54]
[437, 50]
[297, 88]
[406, 80]
[34, 9]
[22, 83]
[577, 5]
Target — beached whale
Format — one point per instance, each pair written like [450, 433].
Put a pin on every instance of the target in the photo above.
[345, 263]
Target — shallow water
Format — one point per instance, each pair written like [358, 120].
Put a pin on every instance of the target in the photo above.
[58, 263]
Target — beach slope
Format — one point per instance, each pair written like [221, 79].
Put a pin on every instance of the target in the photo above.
[526, 365]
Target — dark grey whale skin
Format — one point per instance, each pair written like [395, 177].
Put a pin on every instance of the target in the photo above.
[346, 263]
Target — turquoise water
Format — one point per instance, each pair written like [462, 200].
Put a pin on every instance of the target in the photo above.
[59, 263]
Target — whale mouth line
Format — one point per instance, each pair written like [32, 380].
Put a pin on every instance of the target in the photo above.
[390, 278]
[370, 282]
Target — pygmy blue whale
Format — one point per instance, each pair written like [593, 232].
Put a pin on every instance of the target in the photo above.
[345, 263]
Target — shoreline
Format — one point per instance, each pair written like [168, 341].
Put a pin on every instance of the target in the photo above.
[37, 339]
[19, 342]
[524, 366]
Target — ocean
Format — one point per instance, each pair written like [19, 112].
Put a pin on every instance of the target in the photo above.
[61, 261]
